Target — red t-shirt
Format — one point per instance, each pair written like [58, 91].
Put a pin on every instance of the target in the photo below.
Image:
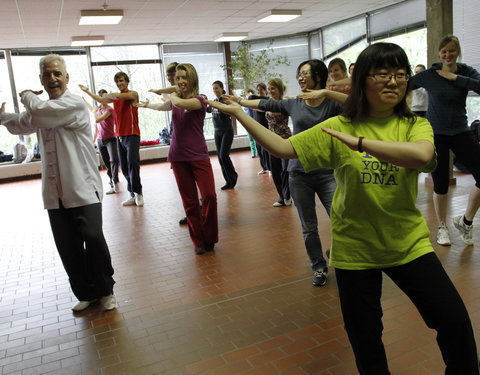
[126, 116]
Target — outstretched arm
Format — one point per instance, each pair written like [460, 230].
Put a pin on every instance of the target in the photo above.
[404, 154]
[273, 143]
[324, 93]
[20, 124]
[166, 105]
[243, 102]
[105, 115]
[189, 104]
[341, 82]
[166, 90]
[95, 97]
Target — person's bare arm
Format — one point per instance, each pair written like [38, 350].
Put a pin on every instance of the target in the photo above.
[189, 104]
[324, 93]
[243, 102]
[273, 143]
[131, 95]
[165, 90]
[106, 115]
[95, 97]
[404, 154]
[166, 105]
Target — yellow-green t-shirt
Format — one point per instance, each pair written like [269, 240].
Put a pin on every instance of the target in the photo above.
[375, 223]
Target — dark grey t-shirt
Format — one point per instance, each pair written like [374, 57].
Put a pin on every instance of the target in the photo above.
[303, 117]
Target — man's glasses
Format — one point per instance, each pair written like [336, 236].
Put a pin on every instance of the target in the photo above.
[386, 77]
[303, 74]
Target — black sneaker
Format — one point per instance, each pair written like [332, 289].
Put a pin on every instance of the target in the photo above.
[183, 221]
[209, 246]
[319, 277]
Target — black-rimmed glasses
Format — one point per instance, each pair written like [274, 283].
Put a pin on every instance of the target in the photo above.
[386, 77]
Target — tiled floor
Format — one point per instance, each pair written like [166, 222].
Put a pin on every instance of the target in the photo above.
[247, 308]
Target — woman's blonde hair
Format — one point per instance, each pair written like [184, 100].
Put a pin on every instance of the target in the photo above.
[191, 75]
[279, 85]
[450, 38]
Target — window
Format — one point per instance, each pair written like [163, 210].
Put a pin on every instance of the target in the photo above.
[414, 43]
[7, 140]
[142, 65]
[350, 54]
[295, 49]
[341, 35]
[397, 18]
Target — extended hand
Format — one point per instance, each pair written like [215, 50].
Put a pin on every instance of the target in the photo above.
[349, 140]
[32, 91]
[143, 104]
[232, 108]
[231, 98]
[2, 108]
[312, 94]
[83, 88]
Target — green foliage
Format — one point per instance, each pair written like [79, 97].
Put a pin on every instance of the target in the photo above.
[250, 68]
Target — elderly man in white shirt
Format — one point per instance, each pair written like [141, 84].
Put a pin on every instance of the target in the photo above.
[71, 184]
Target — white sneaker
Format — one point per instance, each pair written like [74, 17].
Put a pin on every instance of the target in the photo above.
[465, 230]
[288, 202]
[278, 204]
[139, 199]
[129, 202]
[111, 191]
[109, 302]
[82, 305]
[117, 187]
[443, 236]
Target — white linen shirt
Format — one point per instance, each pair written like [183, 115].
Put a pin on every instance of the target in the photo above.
[69, 162]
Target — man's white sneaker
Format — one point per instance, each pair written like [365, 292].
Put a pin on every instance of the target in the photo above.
[466, 231]
[82, 305]
[109, 302]
[129, 202]
[111, 191]
[139, 199]
[443, 237]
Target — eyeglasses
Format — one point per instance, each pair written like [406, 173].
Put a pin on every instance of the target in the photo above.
[304, 74]
[386, 77]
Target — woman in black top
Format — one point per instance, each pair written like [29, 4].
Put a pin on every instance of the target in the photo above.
[223, 132]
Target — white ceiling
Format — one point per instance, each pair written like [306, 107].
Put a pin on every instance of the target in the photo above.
[52, 23]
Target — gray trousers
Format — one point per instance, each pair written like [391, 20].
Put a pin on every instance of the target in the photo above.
[303, 188]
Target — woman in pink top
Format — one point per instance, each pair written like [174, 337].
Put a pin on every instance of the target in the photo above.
[189, 156]
[107, 142]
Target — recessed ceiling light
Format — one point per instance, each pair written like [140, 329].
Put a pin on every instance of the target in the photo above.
[281, 15]
[231, 37]
[96, 40]
[100, 17]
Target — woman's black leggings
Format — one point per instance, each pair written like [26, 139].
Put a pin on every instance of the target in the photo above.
[467, 151]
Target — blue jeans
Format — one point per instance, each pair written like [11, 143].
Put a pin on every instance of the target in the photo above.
[129, 155]
[109, 152]
[303, 188]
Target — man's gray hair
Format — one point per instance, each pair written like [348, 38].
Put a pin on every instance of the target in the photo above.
[52, 57]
